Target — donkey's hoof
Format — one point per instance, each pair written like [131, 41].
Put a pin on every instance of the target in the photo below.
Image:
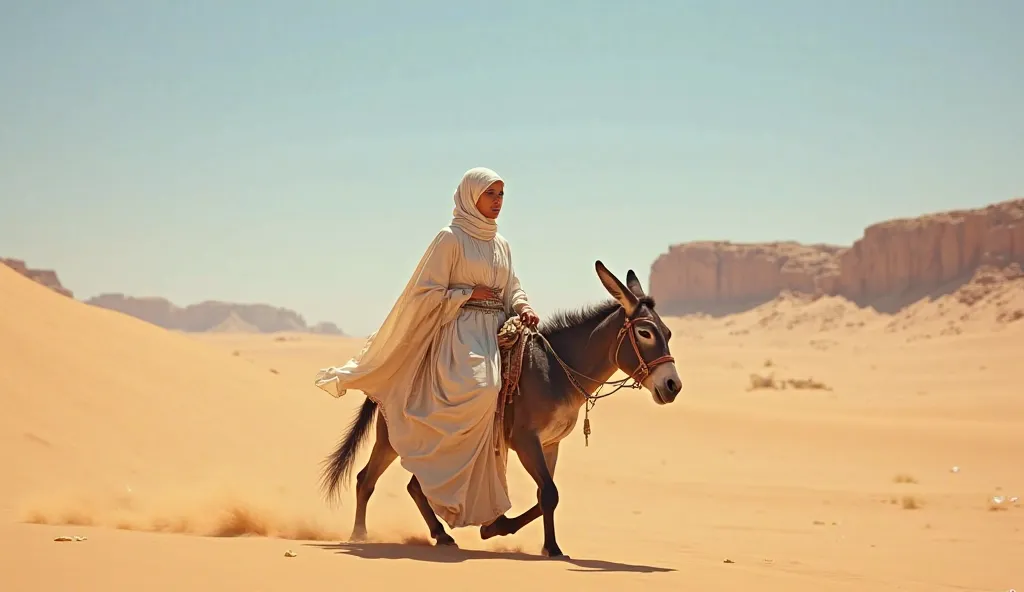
[358, 536]
[554, 553]
[499, 527]
[445, 540]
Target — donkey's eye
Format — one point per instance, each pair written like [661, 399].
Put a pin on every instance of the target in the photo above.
[644, 333]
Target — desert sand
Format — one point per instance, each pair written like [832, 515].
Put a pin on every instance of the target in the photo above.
[885, 454]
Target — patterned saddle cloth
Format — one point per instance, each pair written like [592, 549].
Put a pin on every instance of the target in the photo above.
[512, 346]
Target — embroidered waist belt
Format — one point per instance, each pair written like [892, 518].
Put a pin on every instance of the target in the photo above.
[485, 305]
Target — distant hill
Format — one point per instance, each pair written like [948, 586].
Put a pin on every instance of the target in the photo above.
[212, 315]
[205, 316]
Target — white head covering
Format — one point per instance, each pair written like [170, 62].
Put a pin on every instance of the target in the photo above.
[465, 215]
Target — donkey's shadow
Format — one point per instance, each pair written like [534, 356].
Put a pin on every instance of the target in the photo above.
[424, 551]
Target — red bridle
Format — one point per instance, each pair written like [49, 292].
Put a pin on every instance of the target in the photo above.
[643, 370]
[639, 375]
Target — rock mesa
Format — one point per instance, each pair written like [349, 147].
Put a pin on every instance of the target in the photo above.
[894, 263]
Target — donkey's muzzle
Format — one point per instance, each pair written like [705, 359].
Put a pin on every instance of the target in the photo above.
[667, 384]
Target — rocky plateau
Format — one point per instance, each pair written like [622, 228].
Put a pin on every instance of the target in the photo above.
[894, 264]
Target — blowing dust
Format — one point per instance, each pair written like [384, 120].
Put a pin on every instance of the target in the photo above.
[220, 513]
[216, 513]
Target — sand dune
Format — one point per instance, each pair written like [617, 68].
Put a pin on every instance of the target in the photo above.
[111, 420]
[162, 448]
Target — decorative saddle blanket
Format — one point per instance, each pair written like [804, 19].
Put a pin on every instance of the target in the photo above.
[512, 347]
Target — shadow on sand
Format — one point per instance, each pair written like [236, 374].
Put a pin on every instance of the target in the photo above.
[424, 551]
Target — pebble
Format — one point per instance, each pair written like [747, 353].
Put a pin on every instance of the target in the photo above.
[290, 553]
[70, 539]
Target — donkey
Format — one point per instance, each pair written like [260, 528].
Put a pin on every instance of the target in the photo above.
[571, 355]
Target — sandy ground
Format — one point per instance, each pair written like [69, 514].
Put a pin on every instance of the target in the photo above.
[191, 462]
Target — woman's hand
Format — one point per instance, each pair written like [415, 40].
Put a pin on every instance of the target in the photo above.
[485, 293]
[529, 318]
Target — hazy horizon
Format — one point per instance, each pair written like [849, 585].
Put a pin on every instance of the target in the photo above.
[250, 152]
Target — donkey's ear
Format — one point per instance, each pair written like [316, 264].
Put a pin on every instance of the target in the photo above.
[627, 299]
[634, 284]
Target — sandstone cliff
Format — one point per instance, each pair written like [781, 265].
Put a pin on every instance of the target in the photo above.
[895, 263]
[45, 277]
[724, 277]
[211, 315]
[911, 257]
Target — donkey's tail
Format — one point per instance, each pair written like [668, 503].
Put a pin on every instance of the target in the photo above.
[337, 467]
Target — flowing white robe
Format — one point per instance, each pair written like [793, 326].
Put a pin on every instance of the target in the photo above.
[434, 369]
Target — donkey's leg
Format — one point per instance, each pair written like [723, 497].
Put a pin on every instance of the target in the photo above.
[380, 459]
[505, 526]
[531, 455]
[437, 531]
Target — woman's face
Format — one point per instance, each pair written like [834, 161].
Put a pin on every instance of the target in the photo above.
[489, 204]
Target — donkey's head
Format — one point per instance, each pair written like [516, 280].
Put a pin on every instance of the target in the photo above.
[642, 349]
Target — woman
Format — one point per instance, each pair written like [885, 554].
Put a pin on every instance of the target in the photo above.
[434, 368]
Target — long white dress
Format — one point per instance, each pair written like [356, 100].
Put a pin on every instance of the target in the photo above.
[435, 370]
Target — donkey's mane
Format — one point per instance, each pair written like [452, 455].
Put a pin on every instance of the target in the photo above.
[567, 319]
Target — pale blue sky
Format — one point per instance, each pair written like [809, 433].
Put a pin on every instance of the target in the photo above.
[304, 154]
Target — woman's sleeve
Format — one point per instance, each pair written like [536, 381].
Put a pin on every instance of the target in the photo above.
[434, 279]
[518, 301]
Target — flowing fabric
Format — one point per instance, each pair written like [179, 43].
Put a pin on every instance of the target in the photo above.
[434, 369]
